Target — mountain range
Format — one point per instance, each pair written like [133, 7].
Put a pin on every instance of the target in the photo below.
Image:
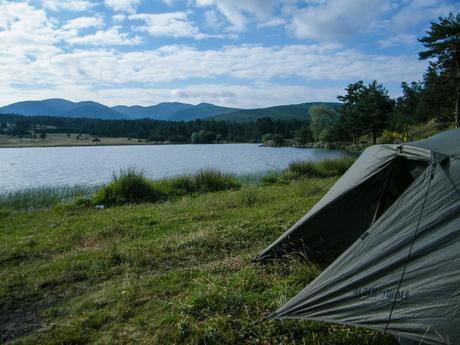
[172, 111]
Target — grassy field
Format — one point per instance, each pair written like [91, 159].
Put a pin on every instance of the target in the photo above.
[177, 272]
[61, 139]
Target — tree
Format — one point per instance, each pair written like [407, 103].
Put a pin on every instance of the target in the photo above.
[323, 123]
[443, 43]
[351, 124]
[438, 95]
[366, 109]
[195, 138]
[407, 110]
[304, 134]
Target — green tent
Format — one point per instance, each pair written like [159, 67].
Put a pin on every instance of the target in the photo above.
[397, 209]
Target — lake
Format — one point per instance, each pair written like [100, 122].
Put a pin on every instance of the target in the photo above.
[55, 166]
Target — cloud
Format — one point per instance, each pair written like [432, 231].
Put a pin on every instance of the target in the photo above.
[122, 5]
[83, 22]
[251, 64]
[212, 19]
[336, 19]
[71, 5]
[172, 24]
[397, 40]
[109, 37]
[119, 18]
[238, 13]
[416, 12]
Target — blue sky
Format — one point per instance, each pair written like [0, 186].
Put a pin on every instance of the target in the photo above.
[241, 53]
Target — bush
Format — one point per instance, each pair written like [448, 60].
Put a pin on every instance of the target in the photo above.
[325, 168]
[129, 186]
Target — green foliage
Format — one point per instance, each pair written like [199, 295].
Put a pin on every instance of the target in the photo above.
[128, 186]
[323, 123]
[304, 134]
[266, 137]
[325, 168]
[443, 43]
[366, 109]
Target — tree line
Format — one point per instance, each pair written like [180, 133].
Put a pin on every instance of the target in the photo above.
[156, 131]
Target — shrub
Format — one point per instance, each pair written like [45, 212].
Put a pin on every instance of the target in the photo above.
[325, 168]
[129, 186]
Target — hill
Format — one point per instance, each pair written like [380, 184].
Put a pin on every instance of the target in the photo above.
[170, 111]
[280, 112]
[64, 108]
[160, 111]
[201, 111]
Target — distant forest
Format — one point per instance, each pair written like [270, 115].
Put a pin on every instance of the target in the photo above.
[197, 131]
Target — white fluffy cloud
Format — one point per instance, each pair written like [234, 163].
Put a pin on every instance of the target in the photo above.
[71, 5]
[83, 22]
[336, 19]
[238, 13]
[122, 5]
[173, 24]
[94, 69]
[414, 12]
[109, 37]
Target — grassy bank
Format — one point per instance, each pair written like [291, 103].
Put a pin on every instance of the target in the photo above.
[62, 139]
[174, 272]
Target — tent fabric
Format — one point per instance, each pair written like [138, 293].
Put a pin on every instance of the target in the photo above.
[359, 288]
[353, 199]
[446, 142]
[402, 273]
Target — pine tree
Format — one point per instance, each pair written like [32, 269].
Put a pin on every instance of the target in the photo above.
[443, 43]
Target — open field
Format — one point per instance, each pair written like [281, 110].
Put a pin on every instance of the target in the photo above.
[61, 139]
[170, 273]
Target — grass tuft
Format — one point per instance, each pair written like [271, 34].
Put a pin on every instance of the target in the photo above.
[131, 187]
[128, 187]
[325, 168]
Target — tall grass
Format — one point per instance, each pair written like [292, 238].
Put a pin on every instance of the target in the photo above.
[44, 196]
[325, 168]
[128, 186]
[131, 186]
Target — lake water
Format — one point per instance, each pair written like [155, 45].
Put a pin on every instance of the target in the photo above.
[40, 166]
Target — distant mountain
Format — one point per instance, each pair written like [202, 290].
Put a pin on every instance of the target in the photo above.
[62, 107]
[161, 111]
[280, 112]
[201, 111]
[93, 110]
[172, 111]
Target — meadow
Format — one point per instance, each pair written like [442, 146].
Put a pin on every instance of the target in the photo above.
[174, 270]
[63, 139]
